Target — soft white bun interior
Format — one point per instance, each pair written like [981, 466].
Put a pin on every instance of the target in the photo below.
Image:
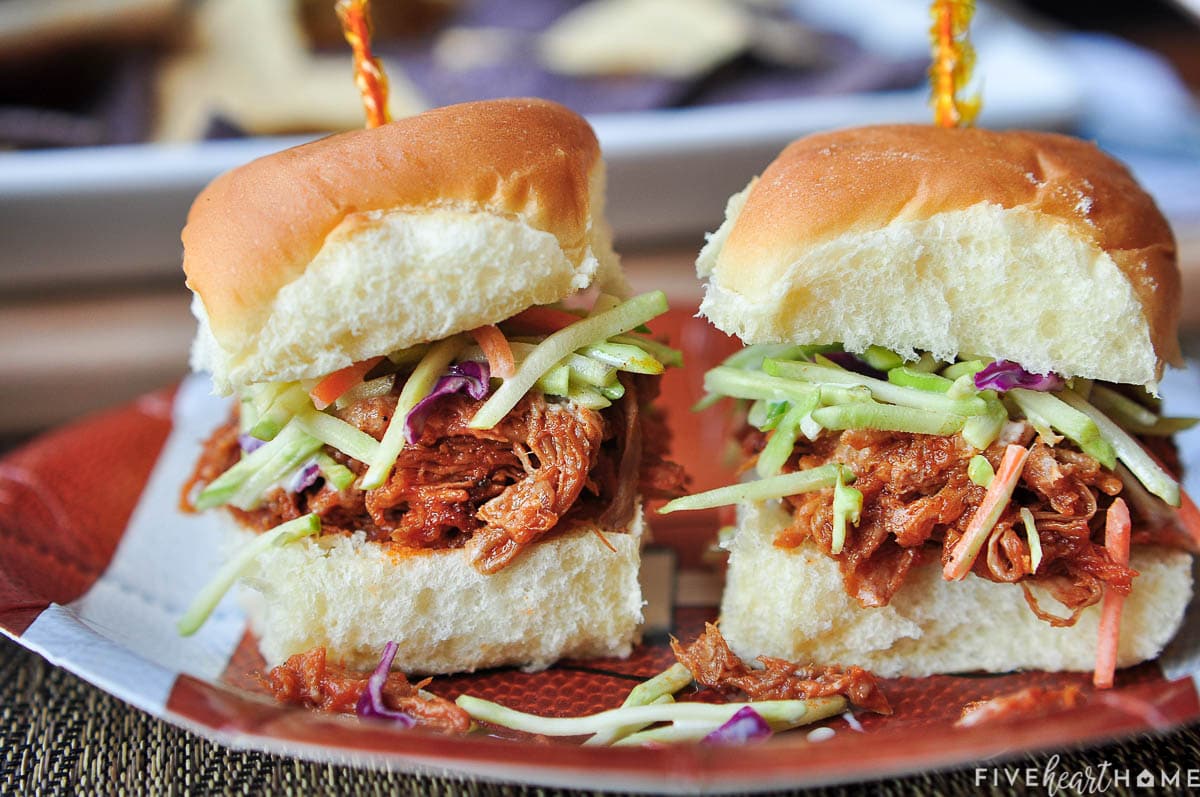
[1004, 283]
[386, 280]
[791, 604]
[569, 596]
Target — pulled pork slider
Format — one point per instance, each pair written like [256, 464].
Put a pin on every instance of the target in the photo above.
[957, 337]
[428, 449]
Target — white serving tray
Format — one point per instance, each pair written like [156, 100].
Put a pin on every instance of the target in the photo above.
[99, 214]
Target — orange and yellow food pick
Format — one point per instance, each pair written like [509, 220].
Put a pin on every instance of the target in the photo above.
[368, 74]
[953, 62]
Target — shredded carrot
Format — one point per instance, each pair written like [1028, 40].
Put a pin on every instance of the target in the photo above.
[543, 319]
[1117, 527]
[984, 520]
[604, 539]
[331, 388]
[368, 74]
[496, 349]
[1189, 516]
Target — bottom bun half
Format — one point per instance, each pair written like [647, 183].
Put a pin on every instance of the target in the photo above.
[790, 603]
[568, 596]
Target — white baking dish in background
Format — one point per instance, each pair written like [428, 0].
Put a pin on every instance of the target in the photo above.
[109, 214]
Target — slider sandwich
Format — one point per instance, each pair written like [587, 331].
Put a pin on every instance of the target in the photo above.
[950, 405]
[428, 448]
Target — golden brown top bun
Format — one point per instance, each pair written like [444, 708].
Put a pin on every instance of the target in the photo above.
[368, 241]
[1031, 247]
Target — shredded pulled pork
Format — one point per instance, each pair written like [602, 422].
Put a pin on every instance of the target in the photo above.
[307, 679]
[557, 447]
[714, 665]
[547, 465]
[1025, 704]
[918, 501]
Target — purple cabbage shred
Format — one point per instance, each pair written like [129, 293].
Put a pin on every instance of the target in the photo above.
[371, 705]
[747, 725]
[471, 377]
[250, 443]
[306, 476]
[1003, 375]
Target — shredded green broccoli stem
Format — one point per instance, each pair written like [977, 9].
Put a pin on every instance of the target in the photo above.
[1075, 425]
[207, 599]
[660, 351]
[919, 380]
[1133, 415]
[765, 415]
[783, 440]
[888, 418]
[763, 489]
[334, 472]
[245, 482]
[659, 689]
[736, 383]
[1129, 451]
[847, 506]
[432, 365]
[345, 437]
[882, 359]
[556, 381]
[777, 713]
[980, 471]
[1033, 538]
[287, 402]
[556, 347]
[983, 430]
[965, 368]
[884, 391]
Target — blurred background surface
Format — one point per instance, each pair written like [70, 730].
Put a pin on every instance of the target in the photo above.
[114, 113]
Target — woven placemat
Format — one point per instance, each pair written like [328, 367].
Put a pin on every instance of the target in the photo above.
[60, 734]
